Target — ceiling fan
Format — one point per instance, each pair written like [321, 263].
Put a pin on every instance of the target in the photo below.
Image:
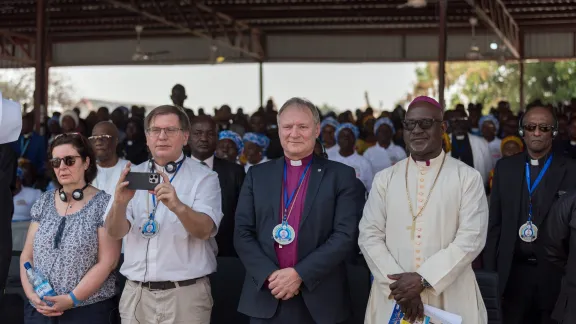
[497, 52]
[139, 54]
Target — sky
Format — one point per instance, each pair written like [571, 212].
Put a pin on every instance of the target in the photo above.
[338, 85]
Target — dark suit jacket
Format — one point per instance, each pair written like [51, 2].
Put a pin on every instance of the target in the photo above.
[505, 209]
[231, 178]
[560, 248]
[8, 165]
[326, 237]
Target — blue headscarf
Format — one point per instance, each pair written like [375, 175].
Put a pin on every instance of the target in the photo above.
[350, 126]
[258, 139]
[227, 134]
[329, 121]
[489, 118]
[384, 121]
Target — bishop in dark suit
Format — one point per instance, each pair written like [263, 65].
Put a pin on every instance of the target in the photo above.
[296, 225]
[202, 142]
[524, 188]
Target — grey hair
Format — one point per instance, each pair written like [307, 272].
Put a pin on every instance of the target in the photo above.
[302, 103]
[166, 110]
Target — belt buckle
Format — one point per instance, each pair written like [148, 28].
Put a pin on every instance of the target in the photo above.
[150, 287]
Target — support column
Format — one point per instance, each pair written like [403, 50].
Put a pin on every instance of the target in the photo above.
[522, 102]
[41, 80]
[442, 43]
[261, 81]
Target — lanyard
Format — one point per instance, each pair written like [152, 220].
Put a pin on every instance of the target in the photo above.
[288, 200]
[531, 188]
[24, 147]
[153, 213]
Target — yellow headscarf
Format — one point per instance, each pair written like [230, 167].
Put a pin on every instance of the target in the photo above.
[512, 138]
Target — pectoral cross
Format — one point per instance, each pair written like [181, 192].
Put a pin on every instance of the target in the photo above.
[412, 229]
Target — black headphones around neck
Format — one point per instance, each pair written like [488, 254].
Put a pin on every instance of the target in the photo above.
[77, 194]
[521, 125]
[170, 167]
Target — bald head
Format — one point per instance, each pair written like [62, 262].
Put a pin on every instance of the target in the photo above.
[104, 140]
[540, 111]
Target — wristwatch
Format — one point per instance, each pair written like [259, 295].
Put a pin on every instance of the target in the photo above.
[424, 283]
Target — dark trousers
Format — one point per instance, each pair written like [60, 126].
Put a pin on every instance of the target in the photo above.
[521, 304]
[104, 312]
[291, 311]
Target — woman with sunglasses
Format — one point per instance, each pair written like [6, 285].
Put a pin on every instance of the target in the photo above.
[67, 242]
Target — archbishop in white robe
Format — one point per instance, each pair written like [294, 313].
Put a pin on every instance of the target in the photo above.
[449, 235]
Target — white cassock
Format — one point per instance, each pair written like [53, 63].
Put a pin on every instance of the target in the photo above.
[450, 233]
[333, 151]
[381, 158]
[360, 164]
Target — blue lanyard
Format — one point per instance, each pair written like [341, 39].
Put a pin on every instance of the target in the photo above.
[24, 147]
[287, 200]
[153, 213]
[531, 188]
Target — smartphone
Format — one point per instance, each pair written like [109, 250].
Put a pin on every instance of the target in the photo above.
[142, 180]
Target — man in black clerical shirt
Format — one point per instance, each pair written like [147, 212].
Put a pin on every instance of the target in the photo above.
[202, 142]
[524, 188]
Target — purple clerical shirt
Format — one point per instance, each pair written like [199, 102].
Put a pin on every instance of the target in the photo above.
[288, 254]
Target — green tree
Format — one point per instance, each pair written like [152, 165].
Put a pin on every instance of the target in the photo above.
[488, 82]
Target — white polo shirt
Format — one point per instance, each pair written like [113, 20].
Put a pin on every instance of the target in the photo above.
[173, 254]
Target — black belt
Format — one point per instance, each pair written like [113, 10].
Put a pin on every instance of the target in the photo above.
[165, 285]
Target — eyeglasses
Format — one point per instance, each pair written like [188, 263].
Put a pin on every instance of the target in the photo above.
[425, 123]
[59, 232]
[169, 131]
[66, 135]
[542, 127]
[96, 138]
[69, 160]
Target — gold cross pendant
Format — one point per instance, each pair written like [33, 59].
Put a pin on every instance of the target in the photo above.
[412, 229]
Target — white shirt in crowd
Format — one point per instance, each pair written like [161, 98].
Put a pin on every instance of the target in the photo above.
[248, 165]
[361, 165]
[209, 161]
[107, 178]
[333, 151]
[23, 202]
[381, 158]
[173, 254]
[495, 150]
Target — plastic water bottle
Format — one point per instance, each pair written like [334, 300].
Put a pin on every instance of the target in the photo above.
[40, 283]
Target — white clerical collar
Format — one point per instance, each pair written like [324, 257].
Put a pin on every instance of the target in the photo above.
[460, 137]
[573, 143]
[431, 162]
[534, 162]
[296, 162]
[161, 168]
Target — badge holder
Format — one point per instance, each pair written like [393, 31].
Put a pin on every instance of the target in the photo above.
[150, 228]
[284, 234]
[528, 232]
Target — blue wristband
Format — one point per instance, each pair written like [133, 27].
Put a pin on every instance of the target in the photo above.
[74, 299]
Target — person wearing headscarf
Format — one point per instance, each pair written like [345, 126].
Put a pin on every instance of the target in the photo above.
[423, 224]
[69, 121]
[255, 146]
[386, 153]
[366, 138]
[346, 136]
[24, 198]
[327, 130]
[510, 145]
[489, 128]
[229, 146]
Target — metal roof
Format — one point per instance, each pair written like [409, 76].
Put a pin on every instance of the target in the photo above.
[71, 20]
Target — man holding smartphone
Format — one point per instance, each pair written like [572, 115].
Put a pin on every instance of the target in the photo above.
[169, 232]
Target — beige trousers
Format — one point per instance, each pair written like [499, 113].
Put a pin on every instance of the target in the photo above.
[190, 304]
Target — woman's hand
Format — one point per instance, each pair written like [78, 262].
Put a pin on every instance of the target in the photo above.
[41, 306]
[61, 303]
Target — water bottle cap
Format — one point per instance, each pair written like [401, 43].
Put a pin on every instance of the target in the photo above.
[27, 265]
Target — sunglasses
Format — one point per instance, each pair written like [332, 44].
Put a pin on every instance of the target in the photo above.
[426, 123]
[69, 160]
[545, 128]
[59, 232]
[96, 138]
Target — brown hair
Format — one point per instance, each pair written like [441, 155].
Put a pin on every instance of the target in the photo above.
[80, 144]
[166, 110]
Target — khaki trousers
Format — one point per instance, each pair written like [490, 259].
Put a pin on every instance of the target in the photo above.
[191, 304]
